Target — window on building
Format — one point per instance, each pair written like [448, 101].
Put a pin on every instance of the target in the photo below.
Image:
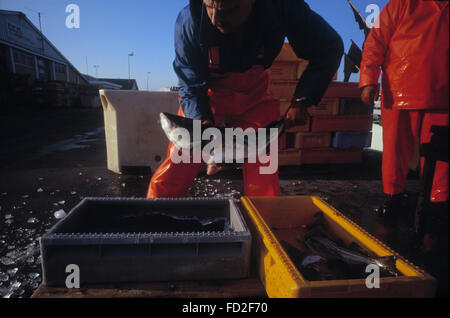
[44, 69]
[60, 68]
[23, 59]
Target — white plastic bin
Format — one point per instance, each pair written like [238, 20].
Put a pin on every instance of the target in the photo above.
[134, 137]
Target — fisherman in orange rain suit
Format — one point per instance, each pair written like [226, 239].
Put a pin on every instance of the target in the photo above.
[223, 49]
[409, 42]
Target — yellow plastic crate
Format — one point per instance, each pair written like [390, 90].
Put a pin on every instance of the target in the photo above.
[274, 219]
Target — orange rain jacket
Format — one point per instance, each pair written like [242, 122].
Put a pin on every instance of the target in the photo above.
[411, 47]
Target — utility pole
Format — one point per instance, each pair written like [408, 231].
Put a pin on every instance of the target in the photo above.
[39, 16]
[87, 67]
[40, 27]
[129, 72]
[148, 73]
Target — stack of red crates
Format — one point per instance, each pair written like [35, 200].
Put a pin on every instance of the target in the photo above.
[341, 110]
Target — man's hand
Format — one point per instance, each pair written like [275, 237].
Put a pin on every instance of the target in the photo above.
[297, 115]
[369, 94]
[211, 169]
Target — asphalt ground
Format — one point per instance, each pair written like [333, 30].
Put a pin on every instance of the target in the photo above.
[51, 159]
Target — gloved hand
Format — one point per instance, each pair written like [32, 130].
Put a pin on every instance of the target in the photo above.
[369, 94]
[297, 114]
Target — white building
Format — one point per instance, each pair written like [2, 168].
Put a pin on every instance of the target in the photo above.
[25, 50]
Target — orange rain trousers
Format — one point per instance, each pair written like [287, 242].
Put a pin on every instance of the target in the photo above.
[409, 43]
[240, 100]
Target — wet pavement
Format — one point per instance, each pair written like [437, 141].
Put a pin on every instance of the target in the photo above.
[54, 158]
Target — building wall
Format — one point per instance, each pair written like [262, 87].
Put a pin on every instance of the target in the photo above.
[16, 30]
[22, 70]
[5, 61]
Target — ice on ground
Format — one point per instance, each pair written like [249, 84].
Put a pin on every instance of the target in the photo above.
[33, 275]
[60, 214]
[12, 271]
[32, 220]
[6, 261]
[40, 190]
[4, 277]
[62, 202]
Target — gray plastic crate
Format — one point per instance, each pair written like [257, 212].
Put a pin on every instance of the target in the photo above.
[354, 106]
[116, 240]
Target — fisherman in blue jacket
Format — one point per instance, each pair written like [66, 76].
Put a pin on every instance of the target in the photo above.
[223, 49]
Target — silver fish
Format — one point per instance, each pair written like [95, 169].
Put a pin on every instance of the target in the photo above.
[330, 250]
[237, 151]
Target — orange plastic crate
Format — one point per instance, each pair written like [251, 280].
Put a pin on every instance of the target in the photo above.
[283, 89]
[327, 106]
[279, 218]
[304, 140]
[329, 123]
[281, 70]
[330, 156]
[289, 157]
[343, 89]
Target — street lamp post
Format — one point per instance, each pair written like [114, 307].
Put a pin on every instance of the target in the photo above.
[96, 70]
[148, 73]
[129, 73]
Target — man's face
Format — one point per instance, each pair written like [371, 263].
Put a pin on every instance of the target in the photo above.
[228, 15]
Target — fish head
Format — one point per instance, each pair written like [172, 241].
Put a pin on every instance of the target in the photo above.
[179, 130]
[387, 264]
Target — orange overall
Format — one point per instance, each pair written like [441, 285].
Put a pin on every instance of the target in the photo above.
[240, 100]
[410, 45]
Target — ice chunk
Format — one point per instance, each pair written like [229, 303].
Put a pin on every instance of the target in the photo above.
[6, 261]
[4, 277]
[8, 216]
[15, 285]
[62, 202]
[32, 220]
[99, 179]
[73, 193]
[12, 271]
[33, 275]
[60, 214]
[40, 190]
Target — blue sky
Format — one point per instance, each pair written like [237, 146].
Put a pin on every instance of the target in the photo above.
[109, 30]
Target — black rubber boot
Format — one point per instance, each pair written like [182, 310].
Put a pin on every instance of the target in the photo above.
[390, 209]
[433, 255]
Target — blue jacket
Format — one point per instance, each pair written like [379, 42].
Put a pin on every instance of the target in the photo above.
[270, 22]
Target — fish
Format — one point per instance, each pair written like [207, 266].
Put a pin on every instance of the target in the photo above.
[350, 260]
[236, 151]
[330, 250]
